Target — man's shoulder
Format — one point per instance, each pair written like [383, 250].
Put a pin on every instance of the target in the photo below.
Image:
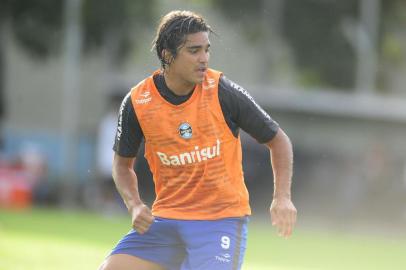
[143, 88]
[141, 85]
[229, 86]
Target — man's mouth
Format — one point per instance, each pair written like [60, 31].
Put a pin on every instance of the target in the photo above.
[202, 69]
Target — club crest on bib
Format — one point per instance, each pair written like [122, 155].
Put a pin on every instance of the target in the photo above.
[185, 130]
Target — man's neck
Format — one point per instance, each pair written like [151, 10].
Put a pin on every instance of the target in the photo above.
[177, 85]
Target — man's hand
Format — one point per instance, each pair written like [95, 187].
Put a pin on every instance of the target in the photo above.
[142, 218]
[283, 215]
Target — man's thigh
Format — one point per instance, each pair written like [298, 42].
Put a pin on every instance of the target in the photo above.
[160, 245]
[217, 244]
[128, 262]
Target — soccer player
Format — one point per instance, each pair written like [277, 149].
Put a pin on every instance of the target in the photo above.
[189, 116]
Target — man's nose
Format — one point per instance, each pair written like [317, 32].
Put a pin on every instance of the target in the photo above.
[204, 57]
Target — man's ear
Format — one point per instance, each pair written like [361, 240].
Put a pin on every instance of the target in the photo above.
[167, 56]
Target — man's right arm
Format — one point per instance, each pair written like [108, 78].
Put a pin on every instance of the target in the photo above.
[128, 139]
[127, 185]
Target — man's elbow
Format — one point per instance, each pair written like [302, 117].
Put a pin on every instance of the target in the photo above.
[114, 172]
[122, 166]
[280, 139]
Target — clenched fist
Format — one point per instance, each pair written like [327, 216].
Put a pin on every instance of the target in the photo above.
[141, 218]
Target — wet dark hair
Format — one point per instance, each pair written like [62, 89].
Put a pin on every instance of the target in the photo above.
[172, 30]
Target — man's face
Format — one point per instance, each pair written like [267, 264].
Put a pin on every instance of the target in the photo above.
[191, 62]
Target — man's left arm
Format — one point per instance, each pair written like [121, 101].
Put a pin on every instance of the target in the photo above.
[282, 210]
[241, 111]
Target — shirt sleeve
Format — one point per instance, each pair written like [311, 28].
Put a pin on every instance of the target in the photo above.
[241, 111]
[129, 134]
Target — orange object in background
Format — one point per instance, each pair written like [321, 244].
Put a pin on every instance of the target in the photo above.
[15, 188]
[19, 176]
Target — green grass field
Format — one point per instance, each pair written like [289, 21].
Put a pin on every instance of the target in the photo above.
[46, 239]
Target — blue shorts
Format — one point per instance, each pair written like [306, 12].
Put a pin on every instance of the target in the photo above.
[189, 244]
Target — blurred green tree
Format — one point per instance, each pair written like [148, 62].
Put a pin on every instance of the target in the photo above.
[314, 30]
[37, 27]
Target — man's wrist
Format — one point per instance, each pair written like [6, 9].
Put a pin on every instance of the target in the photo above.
[134, 204]
[282, 195]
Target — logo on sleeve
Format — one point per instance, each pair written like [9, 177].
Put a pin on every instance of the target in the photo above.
[185, 130]
[120, 117]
